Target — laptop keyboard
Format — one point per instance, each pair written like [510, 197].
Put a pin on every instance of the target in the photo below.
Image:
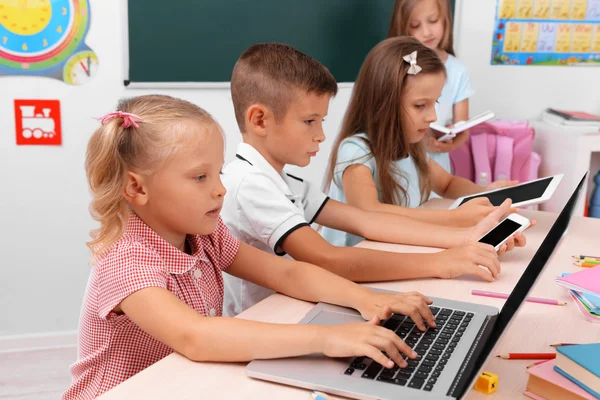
[434, 348]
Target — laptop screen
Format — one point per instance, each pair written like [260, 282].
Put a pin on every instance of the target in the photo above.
[524, 285]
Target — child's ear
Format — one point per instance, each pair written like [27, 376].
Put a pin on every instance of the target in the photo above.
[257, 118]
[135, 189]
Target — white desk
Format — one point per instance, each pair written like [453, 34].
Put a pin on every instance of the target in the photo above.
[535, 326]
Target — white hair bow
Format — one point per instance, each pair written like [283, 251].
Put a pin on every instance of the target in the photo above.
[412, 60]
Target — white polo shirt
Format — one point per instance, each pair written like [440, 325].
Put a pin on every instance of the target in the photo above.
[262, 208]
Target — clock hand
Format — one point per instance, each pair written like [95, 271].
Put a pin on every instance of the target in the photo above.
[84, 68]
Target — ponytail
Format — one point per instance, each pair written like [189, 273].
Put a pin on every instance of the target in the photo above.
[106, 177]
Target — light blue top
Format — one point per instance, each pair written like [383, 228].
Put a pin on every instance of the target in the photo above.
[457, 88]
[354, 150]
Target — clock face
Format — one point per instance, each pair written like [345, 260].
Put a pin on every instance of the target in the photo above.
[25, 17]
[39, 35]
[80, 68]
[30, 28]
[46, 38]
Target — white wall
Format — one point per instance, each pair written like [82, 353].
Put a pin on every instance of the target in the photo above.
[518, 92]
[44, 222]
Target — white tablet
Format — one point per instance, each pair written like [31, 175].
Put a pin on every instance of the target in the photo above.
[523, 194]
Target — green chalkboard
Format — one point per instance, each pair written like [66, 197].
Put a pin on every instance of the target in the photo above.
[200, 40]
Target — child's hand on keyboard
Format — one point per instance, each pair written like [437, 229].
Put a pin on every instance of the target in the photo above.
[365, 339]
[412, 304]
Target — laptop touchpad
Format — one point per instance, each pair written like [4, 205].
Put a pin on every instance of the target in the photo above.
[335, 318]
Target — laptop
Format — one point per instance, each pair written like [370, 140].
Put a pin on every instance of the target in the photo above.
[450, 356]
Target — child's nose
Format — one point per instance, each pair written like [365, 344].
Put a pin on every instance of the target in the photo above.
[220, 190]
[431, 115]
[320, 138]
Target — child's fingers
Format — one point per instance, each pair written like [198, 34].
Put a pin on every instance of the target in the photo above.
[505, 206]
[502, 210]
[520, 240]
[399, 345]
[424, 311]
[422, 296]
[480, 201]
[412, 311]
[484, 201]
[510, 244]
[481, 272]
[488, 259]
[533, 223]
[389, 346]
[376, 355]
[422, 302]
[502, 250]
[489, 263]
[385, 312]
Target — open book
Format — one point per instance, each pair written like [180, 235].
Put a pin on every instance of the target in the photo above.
[450, 133]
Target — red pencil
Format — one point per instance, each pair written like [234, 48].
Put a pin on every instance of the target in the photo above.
[528, 356]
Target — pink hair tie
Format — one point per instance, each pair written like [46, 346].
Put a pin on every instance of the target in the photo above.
[128, 118]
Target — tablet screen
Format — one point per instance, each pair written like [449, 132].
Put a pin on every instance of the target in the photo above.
[518, 194]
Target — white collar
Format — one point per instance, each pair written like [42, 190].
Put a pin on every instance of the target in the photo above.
[247, 153]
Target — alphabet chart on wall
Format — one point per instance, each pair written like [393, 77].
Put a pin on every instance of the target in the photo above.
[547, 32]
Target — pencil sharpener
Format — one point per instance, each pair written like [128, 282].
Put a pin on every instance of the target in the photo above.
[487, 383]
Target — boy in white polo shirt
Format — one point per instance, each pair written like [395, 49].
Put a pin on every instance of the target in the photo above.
[281, 96]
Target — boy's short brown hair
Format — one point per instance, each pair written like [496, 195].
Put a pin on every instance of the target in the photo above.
[270, 73]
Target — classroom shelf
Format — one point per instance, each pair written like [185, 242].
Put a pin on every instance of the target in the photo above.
[571, 151]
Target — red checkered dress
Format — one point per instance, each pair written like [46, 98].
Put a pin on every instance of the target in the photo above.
[111, 347]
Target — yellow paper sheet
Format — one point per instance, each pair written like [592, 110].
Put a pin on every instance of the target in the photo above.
[508, 9]
[529, 37]
[513, 37]
[525, 9]
[560, 9]
[563, 38]
[582, 38]
[541, 9]
[578, 9]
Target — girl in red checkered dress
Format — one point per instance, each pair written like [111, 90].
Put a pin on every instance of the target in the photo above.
[156, 284]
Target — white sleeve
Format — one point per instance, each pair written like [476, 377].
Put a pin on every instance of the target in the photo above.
[314, 200]
[270, 213]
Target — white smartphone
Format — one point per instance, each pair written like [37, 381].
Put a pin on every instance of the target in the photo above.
[504, 230]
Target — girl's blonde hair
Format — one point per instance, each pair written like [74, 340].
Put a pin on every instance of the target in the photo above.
[403, 9]
[113, 150]
[375, 109]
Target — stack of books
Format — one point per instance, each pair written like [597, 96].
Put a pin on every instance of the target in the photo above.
[584, 288]
[581, 365]
[545, 383]
[570, 118]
